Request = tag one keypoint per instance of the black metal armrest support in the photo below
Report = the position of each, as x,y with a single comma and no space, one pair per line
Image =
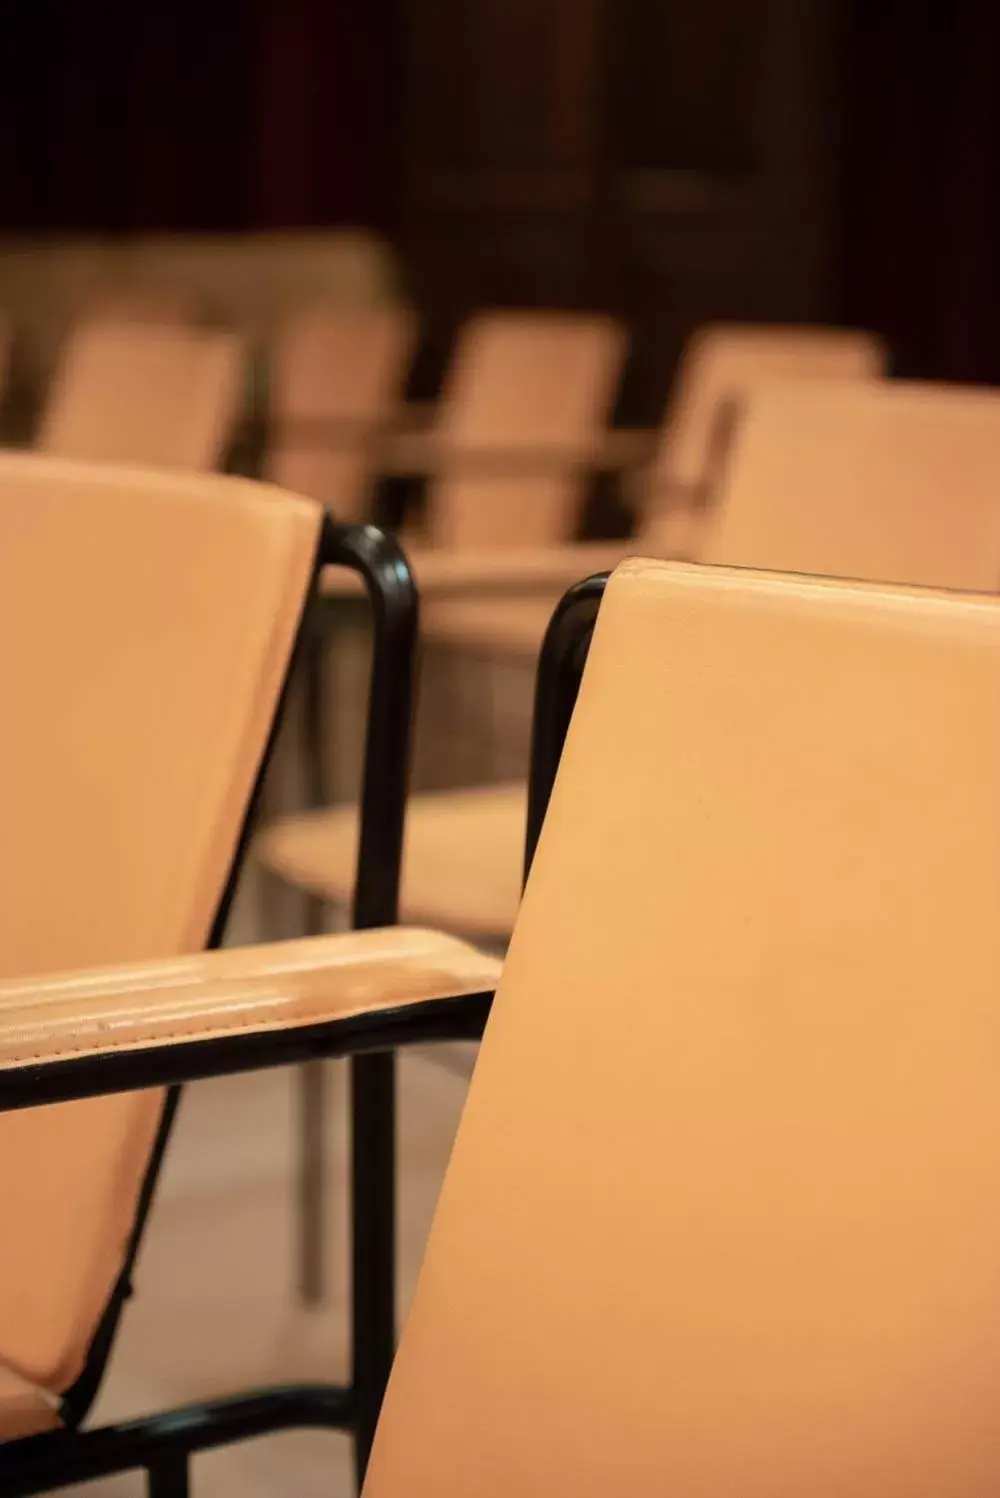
457,1017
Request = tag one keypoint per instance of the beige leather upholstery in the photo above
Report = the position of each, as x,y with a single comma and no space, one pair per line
143,392
25,1410
319,980
147,620
335,379
530,380
721,362
882,480
722,1214
462,860
895,480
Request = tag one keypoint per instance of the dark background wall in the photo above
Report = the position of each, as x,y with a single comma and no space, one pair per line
672,159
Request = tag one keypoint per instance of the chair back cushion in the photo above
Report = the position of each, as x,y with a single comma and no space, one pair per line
147,621
336,377
523,383
144,392
889,481
721,362
722,1216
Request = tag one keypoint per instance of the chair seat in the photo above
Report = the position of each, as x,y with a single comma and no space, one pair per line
461,866
25,1410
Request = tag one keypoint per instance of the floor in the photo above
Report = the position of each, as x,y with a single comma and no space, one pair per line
214,1310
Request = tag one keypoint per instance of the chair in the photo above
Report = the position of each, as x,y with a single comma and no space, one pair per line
721,363
890,480
525,393
150,619
144,392
676,470
336,378
518,434
721,1213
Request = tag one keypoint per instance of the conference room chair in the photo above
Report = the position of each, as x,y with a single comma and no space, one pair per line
335,385
146,392
475,681
152,618
720,1215
880,480
669,476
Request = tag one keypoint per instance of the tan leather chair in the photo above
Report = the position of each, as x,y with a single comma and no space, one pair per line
488,384
677,468
527,389
881,480
722,362
721,1216
336,379
149,620
144,392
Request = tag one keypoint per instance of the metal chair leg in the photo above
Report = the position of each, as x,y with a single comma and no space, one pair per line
373,1241
312,1204
169,1478
376,897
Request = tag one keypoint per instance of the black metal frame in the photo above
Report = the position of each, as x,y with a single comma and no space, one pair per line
161,1445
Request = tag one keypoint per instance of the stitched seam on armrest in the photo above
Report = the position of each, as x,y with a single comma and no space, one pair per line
218,1032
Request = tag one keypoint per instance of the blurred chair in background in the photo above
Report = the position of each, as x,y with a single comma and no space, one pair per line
507,458
671,498
721,363
669,476
880,480
526,396
150,393
336,379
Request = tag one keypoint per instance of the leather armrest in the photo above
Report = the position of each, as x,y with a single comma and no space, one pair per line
261,991
515,570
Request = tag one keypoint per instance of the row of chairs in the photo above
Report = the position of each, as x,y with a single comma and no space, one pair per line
871,479
527,397
720,1217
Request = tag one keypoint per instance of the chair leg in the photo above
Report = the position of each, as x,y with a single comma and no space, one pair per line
312,1078
312,1186
373,1245
170,1478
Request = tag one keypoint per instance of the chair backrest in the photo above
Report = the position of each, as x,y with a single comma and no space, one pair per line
721,362
147,620
889,481
529,382
336,377
722,1215
144,392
